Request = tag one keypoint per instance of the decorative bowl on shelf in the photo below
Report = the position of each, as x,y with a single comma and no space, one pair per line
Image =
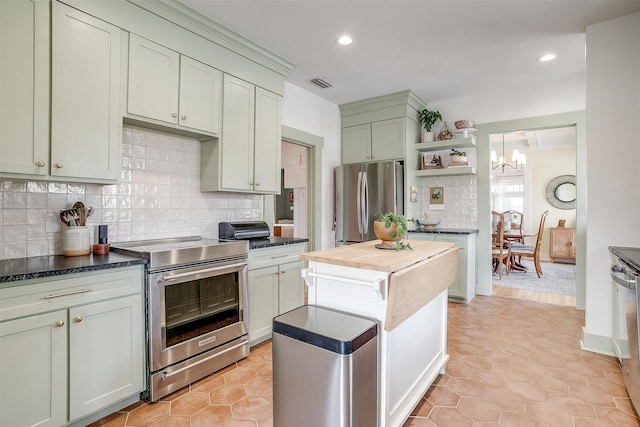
429,224
464,124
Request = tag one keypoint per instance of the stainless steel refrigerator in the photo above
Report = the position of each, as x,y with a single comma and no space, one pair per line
361,190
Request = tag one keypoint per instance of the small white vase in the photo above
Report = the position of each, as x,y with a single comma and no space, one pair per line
459,159
427,136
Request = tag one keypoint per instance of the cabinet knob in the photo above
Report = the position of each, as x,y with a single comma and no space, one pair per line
174,115
40,164
257,184
58,165
77,319
59,323
250,182
184,117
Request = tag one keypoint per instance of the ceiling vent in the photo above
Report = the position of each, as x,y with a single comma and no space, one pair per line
322,84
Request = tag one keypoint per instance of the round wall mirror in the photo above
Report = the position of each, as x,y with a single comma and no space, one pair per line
561,192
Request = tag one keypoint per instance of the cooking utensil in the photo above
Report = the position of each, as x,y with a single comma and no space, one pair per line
70,217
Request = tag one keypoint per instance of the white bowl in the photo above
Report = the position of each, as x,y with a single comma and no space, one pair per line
429,222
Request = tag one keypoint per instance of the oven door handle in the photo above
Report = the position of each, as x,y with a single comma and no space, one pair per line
166,375
631,284
196,273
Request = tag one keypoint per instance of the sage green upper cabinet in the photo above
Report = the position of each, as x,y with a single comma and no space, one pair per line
86,122
268,135
246,158
173,89
374,142
24,87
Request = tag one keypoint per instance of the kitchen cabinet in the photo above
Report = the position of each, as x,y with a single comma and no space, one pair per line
24,87
463,288
70,346
275,287
374,142
562,244
173,89
446,145
86,122
246,158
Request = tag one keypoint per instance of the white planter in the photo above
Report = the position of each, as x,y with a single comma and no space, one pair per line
427,136
459,159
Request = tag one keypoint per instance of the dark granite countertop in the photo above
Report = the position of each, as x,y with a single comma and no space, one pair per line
13,270
629,255
275,241
446,231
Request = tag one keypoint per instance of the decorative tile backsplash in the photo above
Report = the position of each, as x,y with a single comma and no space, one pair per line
158,196
460,200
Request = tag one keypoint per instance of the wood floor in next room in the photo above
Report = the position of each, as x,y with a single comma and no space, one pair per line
512,363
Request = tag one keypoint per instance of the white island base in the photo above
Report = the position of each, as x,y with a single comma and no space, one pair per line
412,335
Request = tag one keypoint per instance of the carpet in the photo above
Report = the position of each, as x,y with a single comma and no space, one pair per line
556,278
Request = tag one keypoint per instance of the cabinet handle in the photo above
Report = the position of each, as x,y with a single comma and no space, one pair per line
257,184
40,164
279,256
77,319
59,323
184,117
81,291
58,165
174,115
250,182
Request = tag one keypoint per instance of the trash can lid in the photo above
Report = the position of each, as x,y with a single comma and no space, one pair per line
331,330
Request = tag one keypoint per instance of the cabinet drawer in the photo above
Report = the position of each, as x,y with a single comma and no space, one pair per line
267,257
42,295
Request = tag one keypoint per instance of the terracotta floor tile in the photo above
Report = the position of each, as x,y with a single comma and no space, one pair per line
227,394
148,414
173,421
494,377
251,407
189,404
212,415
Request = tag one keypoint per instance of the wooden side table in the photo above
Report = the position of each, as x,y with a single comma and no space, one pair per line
562,244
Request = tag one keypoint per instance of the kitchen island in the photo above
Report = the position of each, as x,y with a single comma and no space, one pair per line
406,292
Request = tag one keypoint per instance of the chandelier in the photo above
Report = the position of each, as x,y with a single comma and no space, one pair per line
520,159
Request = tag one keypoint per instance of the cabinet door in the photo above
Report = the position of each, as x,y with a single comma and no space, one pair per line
86,124
237,134
387,139
33,370
291,287
200,96
263,302
24,87
562,243
356,144
267,174
106,356
154,74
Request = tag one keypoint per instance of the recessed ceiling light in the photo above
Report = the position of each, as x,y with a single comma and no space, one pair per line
345,40
548,57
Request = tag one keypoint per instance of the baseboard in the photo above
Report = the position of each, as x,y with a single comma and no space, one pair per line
596,343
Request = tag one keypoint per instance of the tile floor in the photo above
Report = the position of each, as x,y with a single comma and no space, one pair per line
512,363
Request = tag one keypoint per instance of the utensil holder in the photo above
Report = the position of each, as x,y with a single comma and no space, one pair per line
75,241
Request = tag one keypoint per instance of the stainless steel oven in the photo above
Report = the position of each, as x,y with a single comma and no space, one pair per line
197,317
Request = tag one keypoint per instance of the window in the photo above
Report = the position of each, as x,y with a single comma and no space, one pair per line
507,192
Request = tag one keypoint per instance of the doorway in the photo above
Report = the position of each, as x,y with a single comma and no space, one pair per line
534,165
290,204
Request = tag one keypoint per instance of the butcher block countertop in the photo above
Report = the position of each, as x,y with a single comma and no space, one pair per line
367,256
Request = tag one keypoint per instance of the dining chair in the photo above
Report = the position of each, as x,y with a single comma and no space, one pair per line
500,248
516,221
518,250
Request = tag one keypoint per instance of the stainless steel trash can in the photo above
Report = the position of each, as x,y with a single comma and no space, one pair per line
325,368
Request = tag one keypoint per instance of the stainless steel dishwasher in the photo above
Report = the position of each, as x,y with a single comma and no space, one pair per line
625,319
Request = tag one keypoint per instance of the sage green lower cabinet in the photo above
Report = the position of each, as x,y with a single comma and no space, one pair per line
464,287
71,346
275,287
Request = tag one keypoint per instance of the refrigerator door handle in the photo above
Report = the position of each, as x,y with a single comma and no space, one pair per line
359,203
365,203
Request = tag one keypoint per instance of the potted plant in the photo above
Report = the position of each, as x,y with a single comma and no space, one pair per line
391,229
458,156
428,119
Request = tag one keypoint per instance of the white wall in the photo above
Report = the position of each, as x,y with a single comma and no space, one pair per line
307,112
613,110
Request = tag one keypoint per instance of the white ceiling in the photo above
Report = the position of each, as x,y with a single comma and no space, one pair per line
439,49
